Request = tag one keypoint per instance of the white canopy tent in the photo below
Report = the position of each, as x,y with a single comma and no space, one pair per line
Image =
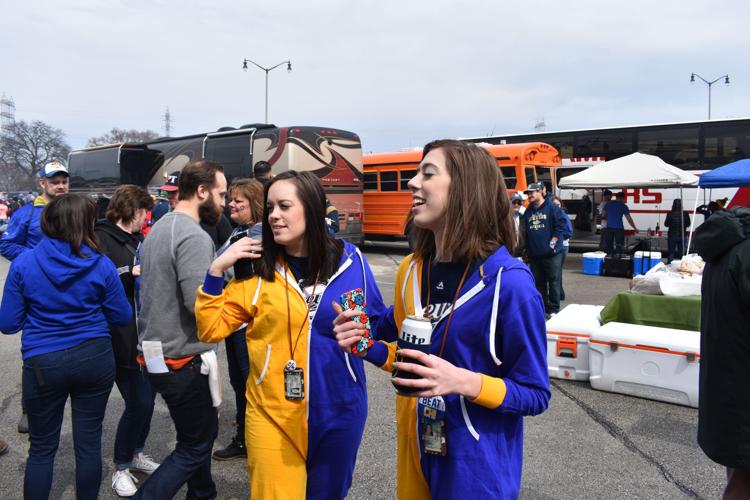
636,170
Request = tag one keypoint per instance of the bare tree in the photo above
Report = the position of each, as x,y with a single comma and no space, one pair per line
25,150
118,135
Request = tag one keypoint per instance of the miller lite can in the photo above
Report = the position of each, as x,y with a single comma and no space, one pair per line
416,333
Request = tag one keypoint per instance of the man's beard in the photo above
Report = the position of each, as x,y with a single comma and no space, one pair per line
209,212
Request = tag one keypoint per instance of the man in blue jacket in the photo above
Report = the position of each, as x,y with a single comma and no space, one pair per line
545,231
23,232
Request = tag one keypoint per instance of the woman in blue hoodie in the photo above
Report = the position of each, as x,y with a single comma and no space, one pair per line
63,294
460,429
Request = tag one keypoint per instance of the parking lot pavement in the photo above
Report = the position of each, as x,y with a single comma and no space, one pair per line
589,444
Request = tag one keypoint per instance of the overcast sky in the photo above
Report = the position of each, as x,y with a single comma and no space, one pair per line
398,73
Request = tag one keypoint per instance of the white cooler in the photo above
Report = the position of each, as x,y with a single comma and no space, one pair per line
568,335
646,361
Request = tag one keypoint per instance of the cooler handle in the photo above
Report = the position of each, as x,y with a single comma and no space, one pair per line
567,347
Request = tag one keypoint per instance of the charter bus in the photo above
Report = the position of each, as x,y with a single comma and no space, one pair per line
334,155
693,146
387,199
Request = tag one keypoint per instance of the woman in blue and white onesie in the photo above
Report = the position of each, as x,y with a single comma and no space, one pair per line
460,435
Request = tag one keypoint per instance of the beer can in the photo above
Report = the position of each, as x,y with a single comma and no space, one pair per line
416,333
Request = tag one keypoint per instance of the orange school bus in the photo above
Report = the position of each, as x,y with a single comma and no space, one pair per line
387,199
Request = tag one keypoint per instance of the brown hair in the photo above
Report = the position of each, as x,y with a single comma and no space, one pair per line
71,218
251,190
126,201
197,173
478,214
323,251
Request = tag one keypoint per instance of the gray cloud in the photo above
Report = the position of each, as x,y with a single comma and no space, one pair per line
397,73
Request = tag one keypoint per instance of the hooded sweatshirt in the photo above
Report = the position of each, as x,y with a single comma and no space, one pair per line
61,300
121,248
542,224
723,241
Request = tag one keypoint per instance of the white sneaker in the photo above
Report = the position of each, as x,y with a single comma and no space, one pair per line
123,482
143,463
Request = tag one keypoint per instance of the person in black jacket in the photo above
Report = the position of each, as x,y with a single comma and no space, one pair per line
120,238
516,203
677,233
723,241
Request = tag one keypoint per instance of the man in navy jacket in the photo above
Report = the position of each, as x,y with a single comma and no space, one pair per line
545,232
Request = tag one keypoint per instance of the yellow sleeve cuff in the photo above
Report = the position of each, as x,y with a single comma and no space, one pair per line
492,393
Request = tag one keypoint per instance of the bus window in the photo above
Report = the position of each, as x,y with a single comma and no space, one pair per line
370,182
406,176
530,175
544,174
389,181
232,152
509,174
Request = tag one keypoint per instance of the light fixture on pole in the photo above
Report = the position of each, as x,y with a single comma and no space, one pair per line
267,70
692,80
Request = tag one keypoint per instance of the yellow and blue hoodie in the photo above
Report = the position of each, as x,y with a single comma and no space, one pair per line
497,330
335,388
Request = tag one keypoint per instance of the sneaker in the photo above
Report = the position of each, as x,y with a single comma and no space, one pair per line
123,482
23,424
236,449
143,463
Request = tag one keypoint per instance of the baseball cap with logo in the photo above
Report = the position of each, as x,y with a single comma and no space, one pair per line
172,183
534,186
53,168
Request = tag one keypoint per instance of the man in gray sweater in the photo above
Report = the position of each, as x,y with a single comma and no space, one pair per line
175,257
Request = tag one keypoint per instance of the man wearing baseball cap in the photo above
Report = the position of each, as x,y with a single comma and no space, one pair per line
167,196
545,232
23,231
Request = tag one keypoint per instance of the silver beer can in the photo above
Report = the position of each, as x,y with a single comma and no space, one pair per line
416,333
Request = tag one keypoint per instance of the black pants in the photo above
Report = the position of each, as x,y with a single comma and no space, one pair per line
189,401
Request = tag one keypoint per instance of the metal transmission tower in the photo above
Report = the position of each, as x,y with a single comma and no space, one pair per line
167,123
7,116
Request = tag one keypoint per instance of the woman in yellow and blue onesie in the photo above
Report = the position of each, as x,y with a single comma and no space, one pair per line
306,399
460,434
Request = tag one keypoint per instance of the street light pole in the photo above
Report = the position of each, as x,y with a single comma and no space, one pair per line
267,70
692,80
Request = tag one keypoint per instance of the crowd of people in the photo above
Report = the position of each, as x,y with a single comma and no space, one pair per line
101,305
145,314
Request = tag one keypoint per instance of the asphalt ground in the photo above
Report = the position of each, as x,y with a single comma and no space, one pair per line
587,445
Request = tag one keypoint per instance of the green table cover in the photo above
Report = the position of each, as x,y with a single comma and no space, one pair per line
682,313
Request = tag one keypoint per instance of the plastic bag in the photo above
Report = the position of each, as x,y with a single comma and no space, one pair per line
647,284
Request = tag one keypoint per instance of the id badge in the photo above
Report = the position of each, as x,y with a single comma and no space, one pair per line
294,381
432,420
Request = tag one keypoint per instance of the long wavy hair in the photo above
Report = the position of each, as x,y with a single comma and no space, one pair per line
478,217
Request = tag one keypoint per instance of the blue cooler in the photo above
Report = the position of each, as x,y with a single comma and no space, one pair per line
643,261
593,262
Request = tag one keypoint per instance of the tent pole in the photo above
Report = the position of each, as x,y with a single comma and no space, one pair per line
692,223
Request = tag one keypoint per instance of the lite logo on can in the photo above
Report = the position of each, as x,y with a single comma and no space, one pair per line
416,333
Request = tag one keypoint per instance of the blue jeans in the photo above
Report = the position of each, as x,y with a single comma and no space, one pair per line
189,401
135,422
238,363
547,273
86,373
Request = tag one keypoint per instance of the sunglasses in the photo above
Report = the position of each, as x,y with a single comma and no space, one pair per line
518,203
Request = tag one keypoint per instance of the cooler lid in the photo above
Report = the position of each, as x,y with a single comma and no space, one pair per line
645,337
578,319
